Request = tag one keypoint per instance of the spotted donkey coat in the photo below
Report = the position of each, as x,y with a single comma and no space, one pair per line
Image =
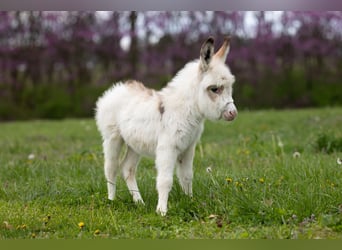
164,124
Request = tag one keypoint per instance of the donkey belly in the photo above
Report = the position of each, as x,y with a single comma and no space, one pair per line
140,142
140,134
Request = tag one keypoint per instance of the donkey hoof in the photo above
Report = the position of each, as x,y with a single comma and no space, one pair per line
139,202
161,212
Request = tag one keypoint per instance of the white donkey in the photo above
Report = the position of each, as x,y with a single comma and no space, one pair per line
164,124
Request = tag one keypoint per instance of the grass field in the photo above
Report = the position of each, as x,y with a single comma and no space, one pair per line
269,174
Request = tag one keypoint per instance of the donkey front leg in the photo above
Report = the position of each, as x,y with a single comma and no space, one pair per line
165,163
184,170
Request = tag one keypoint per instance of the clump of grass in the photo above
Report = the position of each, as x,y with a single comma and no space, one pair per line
328,143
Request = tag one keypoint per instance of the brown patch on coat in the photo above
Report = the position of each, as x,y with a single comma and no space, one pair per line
138,86
161,108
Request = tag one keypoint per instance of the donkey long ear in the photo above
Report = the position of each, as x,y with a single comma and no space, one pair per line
224,50
206,54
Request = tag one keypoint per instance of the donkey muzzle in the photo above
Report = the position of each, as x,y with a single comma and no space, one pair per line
230,113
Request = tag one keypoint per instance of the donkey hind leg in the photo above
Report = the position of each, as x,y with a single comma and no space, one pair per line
111,148
129,167
185,175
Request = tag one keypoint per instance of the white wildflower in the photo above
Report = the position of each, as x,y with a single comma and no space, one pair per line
212,216
339,161
31,156
296,154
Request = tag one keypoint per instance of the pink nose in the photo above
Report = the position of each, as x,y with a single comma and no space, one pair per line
229,115
232,113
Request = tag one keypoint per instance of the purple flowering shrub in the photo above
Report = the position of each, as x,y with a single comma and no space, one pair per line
56,64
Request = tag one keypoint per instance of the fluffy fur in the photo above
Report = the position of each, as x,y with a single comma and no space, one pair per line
166,124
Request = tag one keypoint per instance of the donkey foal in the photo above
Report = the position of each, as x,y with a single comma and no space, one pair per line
164,124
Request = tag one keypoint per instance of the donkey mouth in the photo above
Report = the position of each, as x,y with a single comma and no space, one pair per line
229,115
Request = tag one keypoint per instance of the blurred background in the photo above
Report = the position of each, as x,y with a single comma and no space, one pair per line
56,64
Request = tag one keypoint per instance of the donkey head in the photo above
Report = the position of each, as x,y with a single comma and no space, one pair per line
216,82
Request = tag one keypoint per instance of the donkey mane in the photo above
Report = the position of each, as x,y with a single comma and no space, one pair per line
190,69
181,88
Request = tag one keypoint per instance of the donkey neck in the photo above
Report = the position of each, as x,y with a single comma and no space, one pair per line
181,93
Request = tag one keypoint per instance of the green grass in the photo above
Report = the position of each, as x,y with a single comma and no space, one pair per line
256,188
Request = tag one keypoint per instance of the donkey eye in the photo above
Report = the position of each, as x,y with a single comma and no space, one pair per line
216,89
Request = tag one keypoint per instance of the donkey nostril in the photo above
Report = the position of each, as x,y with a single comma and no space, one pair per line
229,115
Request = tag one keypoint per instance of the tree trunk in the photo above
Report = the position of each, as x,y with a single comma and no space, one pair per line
133,53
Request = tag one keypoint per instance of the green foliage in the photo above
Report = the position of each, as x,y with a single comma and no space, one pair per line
287,90
54,101
258,177
329,143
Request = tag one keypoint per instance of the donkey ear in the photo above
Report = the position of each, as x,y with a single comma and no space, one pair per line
224,50
206,54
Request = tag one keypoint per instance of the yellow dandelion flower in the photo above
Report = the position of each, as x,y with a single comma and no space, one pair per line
81,225
33,235
261,180
47,219
238,184
97,232
229,180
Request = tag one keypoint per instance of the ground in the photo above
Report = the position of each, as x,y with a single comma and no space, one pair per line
268,174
